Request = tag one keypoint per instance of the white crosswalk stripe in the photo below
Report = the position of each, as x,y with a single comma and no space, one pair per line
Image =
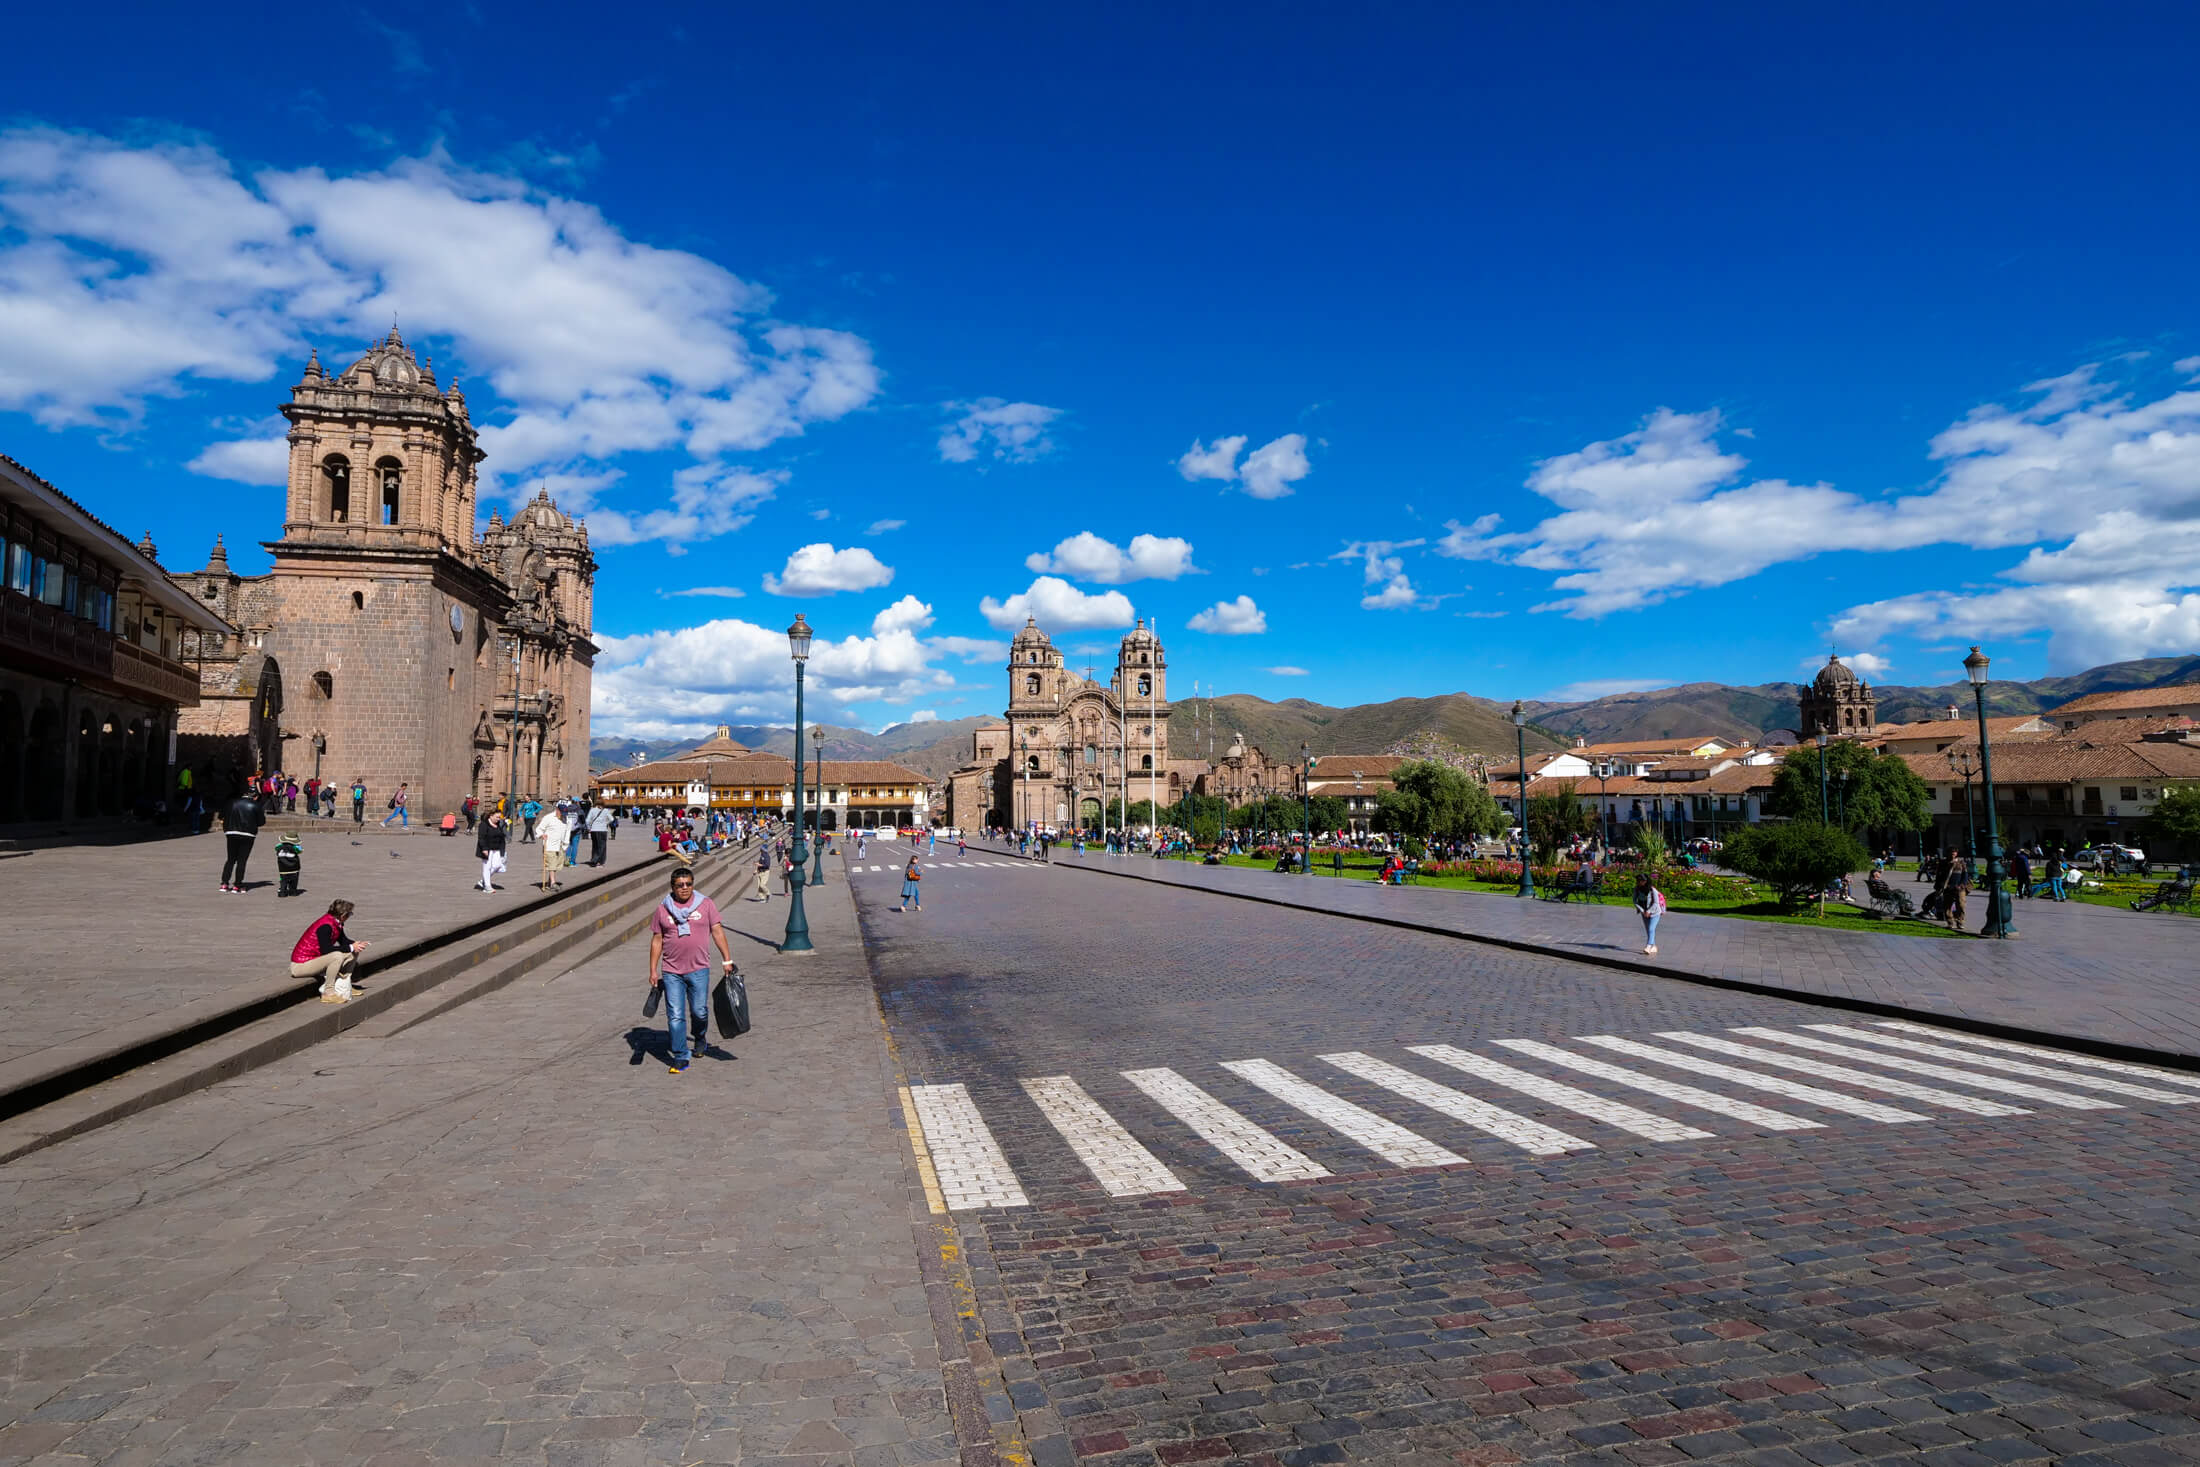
2007,1066
1870,1110
1969,1104
2060,1057
968,1161
1116,1161
1530,1136
1993,1083
1740,1110
1387,1139
1263,1157
1566,1097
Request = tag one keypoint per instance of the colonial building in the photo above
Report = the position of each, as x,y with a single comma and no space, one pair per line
392,643
94,669
1838,703
2091,785
1070,746
2181,701
721,775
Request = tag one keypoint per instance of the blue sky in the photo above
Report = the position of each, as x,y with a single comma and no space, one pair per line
1395,352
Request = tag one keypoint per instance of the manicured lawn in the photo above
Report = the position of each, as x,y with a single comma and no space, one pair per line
1758,906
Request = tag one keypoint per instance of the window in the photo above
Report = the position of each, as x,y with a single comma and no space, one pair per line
1092,753
1031,762
1145,761
2128,793
1031,657
69,586
49,581
336,471
392,477
324,684
1031,685
19,568
358,601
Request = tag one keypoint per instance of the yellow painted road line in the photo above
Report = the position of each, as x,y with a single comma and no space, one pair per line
925,1174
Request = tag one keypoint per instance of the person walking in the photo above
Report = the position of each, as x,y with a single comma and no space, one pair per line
680,932
912,899
2057,873
575,816
763,874
530,810
290,795
551,832
400,809
1650,906
1958,886
325,951
489,840
599,834
469,807
788,875
241,821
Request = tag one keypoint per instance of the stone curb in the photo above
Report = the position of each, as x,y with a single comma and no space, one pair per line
2077,1043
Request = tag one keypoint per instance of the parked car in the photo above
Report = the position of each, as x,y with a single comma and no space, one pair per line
2111,860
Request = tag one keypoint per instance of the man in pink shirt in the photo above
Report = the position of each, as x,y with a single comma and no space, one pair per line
680,933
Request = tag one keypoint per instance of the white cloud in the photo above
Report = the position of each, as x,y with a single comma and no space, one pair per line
1014,432
245,460
708,500
907,614
1219,462
1269,471
923,715
2103,486
1870,664
820,570
1090,558
132,272
821,514
1383,571
1239,618
1285,671
1059,606
970,649
738,672
883,527
731,593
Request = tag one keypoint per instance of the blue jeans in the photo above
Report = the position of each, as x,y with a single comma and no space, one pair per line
573,849
687,1000
1650,928
2055,889
402,814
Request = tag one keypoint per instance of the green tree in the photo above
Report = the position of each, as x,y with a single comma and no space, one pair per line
1796,858
1556,821
2178,818
1882,793
1329,813
1434,801
1650,845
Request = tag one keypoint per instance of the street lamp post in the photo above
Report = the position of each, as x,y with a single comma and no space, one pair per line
1604,806
1306,808
1841,802
1520,745
1962,763
1997,901
817,817
1023,803
511,783
797,939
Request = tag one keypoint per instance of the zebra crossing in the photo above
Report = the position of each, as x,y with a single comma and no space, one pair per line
936,864
966,1165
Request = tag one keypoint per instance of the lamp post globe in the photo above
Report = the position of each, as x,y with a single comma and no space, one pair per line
797,938
1997,901
1520,747
817,815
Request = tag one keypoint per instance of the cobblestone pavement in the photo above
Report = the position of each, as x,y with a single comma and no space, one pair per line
165,951
1251,1184
504,1235
2122,977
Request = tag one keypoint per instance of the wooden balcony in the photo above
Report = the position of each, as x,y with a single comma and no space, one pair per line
56,643
155,676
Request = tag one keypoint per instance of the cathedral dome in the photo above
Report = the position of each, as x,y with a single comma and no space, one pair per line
1140,637
1835,676
1030,636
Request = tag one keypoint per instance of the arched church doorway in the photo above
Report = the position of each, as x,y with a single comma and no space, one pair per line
1088,812
265,730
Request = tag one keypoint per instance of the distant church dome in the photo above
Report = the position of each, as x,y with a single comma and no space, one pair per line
1834,675
1838,703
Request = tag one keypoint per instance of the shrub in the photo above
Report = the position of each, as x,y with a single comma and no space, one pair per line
1796,858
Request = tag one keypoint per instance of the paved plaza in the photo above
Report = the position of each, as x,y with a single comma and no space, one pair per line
182,940
1071,1168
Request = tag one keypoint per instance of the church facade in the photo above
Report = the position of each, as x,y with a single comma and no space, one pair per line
1838,703
392,642
1070,747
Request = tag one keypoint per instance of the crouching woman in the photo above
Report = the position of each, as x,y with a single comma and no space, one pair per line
325,951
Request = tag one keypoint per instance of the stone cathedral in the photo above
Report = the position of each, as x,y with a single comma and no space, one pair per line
392,642
1070,743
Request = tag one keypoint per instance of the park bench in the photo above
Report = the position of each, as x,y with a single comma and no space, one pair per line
1410,871
1576,884
2173,893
